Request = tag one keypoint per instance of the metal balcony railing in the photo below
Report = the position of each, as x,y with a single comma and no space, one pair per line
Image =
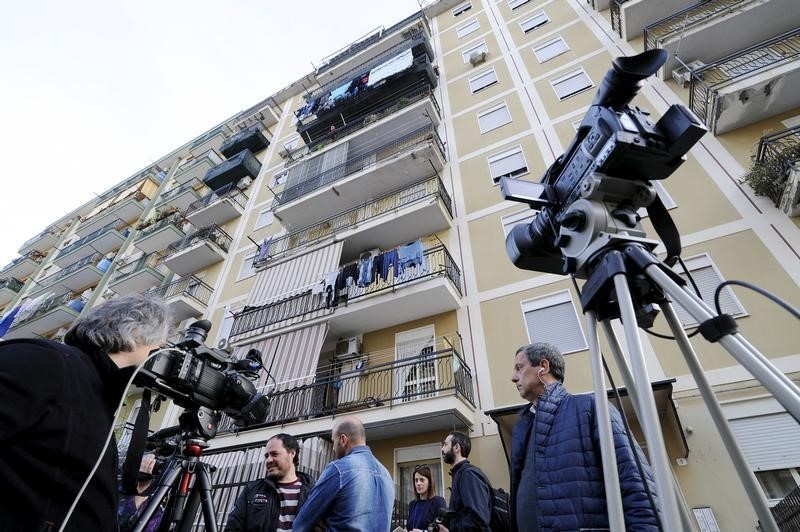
35,256
437,262
210,154
706,80
70,299
187,286
439,373
425,134
116,225
352,49
419,192
686,19
212,233
172,219
388,105
12,283
776,154
151,260
233,193
40,235
616,15
787,512
138,195
72,268
194,184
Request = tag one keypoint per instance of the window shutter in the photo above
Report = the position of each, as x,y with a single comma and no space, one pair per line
707,280
768,442
510,164
556,324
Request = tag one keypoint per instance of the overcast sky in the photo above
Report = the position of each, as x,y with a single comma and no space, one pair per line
92,91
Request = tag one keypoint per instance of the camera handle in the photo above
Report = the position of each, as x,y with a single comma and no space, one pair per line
615,271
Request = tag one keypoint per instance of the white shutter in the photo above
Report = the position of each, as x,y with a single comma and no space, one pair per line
478,47
553,319
467,28
572,83
707,278
494,118
482,80
550,49
768,442
531,23
509,163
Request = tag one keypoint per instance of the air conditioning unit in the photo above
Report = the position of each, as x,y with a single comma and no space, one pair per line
347,348
683,75
477,58
225,345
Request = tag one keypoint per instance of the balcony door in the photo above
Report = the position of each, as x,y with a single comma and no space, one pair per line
415,380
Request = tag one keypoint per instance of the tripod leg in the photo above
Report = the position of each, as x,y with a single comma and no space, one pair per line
746,475
616,516
670,516
168,481
780,386
204,488
627,378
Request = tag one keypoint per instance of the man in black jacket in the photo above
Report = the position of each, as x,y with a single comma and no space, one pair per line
271,503
470,495
57,411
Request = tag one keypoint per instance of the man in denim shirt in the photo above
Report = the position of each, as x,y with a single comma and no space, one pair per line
355,492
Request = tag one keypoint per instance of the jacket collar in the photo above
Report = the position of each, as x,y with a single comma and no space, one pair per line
553,394
457,467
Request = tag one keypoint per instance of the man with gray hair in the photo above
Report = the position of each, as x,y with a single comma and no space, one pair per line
556,469
355,491
57,411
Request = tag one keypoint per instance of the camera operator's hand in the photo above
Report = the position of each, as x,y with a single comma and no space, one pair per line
148,463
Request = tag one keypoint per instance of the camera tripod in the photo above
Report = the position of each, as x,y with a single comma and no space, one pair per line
625,280
197,427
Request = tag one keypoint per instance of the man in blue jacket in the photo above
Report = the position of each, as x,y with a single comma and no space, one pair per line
556,467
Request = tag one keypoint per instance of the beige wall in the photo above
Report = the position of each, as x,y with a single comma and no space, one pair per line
595,66
449,37
383,339
446,19
479,189
560,14
522,11
454,64
468,135
742,143
460,95
580,40
232,287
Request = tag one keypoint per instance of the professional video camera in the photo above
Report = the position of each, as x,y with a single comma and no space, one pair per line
196,377
443,517
592,192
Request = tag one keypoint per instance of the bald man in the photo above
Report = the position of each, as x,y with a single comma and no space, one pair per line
355,492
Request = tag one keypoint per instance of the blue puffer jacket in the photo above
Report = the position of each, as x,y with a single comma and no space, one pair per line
569,470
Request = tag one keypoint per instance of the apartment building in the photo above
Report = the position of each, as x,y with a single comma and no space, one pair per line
351,227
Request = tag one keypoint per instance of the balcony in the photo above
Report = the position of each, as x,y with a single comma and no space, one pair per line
51,314
370,171
127,209
209,142
630,17
749,85
438,383
9,288
187,297
422,208
432,288
242,165
103,240
84,273
139,274
197,167
776,156
161,233
217,207
42,242
197,251
716,28
181,196
248,139
23,266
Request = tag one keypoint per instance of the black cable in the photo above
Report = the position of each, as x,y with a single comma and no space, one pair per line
696,290
775,299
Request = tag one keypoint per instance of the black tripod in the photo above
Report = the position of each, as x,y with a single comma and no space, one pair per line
197,427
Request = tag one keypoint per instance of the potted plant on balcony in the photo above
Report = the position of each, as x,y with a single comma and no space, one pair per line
768,176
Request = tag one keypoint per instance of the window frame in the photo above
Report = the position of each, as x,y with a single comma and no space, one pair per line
472,78
696,262
461,8
541,12
557,38
470,49
490,110
519,3
465,25
551,300
267,208
564,77
502,155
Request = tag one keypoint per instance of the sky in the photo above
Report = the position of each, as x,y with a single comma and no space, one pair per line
93,91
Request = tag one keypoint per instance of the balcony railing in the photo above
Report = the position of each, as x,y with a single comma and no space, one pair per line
211,233
437,262
71,300
138,195
95,259
388,150
439,373
151,260
686,19
367,115
174,192
706,80
172,219
616,16
419,192
116,225
189,286
33,239
776,154
787,512
233,193
35,256
12,283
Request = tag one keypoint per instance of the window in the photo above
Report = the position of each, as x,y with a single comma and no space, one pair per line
476,48
707,277
279,179
494,118
228,315
418,380
510,163
539,18
571,84
550,49
482,80
553,319
291,144
524,216
247,269
462,8
470,27
514,4
265,217
666,199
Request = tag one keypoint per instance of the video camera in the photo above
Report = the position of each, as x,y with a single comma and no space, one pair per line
443,517
196,377
593,190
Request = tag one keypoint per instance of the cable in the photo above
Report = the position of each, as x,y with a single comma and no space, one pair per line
696,290
775,299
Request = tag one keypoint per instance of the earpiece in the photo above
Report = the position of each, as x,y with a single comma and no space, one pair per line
541,370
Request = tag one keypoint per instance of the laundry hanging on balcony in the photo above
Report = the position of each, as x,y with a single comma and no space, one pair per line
396,64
